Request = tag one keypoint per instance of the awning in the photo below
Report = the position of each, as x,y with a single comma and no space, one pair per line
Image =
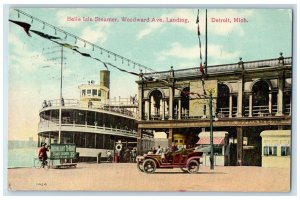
206,140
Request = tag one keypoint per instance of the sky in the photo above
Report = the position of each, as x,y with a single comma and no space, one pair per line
157,45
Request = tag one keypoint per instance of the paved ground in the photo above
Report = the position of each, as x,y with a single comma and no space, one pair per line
126,177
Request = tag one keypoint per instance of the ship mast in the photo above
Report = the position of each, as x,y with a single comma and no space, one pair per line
60,96
206,42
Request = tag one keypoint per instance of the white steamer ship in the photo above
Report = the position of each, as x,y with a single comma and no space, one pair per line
94,123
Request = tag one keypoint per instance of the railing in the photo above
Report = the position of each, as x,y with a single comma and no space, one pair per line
257,111
287,109
274,109
223,112
76,103
54,124
156,117
121,101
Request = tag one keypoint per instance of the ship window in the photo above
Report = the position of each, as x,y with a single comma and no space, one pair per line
99,93
79,140
94,92
99,141
88,92
83,93
90,140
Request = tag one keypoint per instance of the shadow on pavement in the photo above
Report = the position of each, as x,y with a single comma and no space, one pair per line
188,173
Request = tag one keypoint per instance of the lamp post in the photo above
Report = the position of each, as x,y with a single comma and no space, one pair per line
211,158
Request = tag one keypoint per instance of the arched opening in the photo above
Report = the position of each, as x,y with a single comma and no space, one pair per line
260,95
223,100
155,104
185,102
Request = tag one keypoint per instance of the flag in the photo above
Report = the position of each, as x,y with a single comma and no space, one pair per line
197,21
198,30
24,25
83,54
49,37
69,46
201,69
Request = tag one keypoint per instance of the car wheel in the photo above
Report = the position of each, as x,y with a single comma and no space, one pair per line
193,167
184,170
140,166
149,166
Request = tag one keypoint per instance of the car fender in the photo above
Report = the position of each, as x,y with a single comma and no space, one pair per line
193,158
155,160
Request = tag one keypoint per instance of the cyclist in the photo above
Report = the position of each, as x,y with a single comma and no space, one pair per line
43,154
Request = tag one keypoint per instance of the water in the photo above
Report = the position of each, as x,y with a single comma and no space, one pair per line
22,157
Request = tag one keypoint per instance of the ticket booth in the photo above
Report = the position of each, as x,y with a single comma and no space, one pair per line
276,151
220,141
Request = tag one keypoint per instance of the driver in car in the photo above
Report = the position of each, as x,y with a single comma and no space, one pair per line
170,151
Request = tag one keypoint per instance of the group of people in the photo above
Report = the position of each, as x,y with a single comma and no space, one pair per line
164,152
130,155
45,104
126,155
159,150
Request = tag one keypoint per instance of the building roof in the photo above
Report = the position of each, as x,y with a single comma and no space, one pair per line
215,134
276,133
206,140
223,68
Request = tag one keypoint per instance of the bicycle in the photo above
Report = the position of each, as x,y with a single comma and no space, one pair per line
38,163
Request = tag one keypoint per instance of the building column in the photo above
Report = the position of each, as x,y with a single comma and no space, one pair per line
139,142
147,109
280,98
179,108
170,137
240,99
141,103
239,146
160,107
152,106
290,105
270,103
171,100
250,104
163,109
39,141
230,106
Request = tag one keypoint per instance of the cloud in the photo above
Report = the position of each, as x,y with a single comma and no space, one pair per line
21,56
97,33
190,54
25,102
191,14
149,29
178,51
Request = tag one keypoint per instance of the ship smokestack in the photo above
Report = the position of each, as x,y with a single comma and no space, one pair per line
105,79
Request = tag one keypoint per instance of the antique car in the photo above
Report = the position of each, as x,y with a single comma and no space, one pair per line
188,160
